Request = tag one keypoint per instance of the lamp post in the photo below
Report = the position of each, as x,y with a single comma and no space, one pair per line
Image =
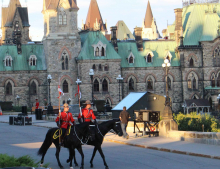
119,78
91,74
166,65
49,78
18,98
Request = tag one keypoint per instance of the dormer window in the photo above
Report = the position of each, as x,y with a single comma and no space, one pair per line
149,57
99,49
33,60
8,61
168,56
131,58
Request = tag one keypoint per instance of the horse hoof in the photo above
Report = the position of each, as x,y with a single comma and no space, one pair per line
71,168
91,166
41,165
106,168
68,160
76,165
81,167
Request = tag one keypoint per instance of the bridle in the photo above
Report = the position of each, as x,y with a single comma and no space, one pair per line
109,131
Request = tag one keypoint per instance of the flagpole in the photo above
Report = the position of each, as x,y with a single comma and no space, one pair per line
80,111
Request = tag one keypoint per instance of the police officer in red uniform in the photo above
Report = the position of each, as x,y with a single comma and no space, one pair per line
87,113
63,121
37,104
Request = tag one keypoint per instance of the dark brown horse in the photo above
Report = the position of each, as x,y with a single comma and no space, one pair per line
72,141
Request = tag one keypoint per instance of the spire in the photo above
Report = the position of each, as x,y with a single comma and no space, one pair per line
148,17
73,4
11,10
53,4
94,14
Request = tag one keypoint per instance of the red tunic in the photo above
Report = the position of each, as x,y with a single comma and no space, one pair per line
66,118
37,105
87,115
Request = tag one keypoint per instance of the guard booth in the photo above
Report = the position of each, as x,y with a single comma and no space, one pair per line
139,101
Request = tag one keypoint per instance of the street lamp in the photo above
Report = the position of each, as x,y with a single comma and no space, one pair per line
166,65
18,98
49,78
119,78
91,74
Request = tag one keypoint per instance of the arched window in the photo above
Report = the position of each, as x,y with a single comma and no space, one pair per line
189,84
33,88
100,67
131,59
194,97
65,87
33,60
194,83
213,81
96,86
60,19
217,52
103,52
191,62
218,81
7,64
169,83
149,58
105,85
149,84
65,60
8,89
97,52
106,67
8,61
131,85
64,19
94,67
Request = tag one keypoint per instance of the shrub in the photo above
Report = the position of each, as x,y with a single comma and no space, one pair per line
194,122
17,108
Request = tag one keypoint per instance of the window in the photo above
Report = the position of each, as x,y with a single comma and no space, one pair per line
8,89
169,83
131,85
100,67
8,61
149,58
33,60
65,87
191,62
149,84
94,67
218,81
104,85
106,67
131,59
96,85
189,84
103,52
64,19
194,83
217,52
213,81
97,52
60,19
65,61
33,88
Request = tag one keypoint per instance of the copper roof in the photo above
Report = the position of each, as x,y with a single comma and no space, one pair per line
93,14
148,17
53,4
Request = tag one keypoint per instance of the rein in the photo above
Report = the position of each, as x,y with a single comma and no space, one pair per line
109,130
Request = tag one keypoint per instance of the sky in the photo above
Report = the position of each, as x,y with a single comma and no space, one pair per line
132,12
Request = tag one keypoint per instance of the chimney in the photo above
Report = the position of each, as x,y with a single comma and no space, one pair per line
114,37
178,26
138,38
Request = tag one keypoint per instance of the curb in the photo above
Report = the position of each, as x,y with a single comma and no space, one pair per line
165,150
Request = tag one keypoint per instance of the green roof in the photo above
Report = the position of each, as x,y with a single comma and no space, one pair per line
200,23
92,38
123,32
158,48
20,60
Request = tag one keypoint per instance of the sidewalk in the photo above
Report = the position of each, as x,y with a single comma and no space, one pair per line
155,143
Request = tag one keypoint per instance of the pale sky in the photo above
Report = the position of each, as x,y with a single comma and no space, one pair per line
132,12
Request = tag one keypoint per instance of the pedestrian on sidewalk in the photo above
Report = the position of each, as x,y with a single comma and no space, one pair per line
124,117
37,104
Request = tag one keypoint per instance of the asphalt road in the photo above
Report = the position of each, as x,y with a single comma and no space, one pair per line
26,140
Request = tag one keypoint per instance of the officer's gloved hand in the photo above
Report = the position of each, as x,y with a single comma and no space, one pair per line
80,120
58,124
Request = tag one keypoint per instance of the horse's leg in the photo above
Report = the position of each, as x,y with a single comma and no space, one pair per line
79,148
71,157
93,155
74,156
57,155
103,157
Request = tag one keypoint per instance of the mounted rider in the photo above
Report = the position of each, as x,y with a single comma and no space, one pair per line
63,121
87,115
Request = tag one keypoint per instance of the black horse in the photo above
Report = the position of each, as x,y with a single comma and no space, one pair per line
72,141
100,131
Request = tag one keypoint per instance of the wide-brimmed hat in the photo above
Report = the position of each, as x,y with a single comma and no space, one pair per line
87,102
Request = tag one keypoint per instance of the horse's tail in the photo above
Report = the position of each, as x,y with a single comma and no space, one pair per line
46,144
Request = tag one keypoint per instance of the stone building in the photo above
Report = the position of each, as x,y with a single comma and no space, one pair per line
193,49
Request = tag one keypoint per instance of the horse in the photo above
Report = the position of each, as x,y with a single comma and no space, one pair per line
100,131
72,141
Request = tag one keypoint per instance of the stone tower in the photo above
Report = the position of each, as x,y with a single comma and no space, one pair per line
62,45
14,20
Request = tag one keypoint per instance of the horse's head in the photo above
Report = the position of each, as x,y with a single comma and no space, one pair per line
117,127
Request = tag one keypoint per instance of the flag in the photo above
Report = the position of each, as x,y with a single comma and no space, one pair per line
79,93
60,92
